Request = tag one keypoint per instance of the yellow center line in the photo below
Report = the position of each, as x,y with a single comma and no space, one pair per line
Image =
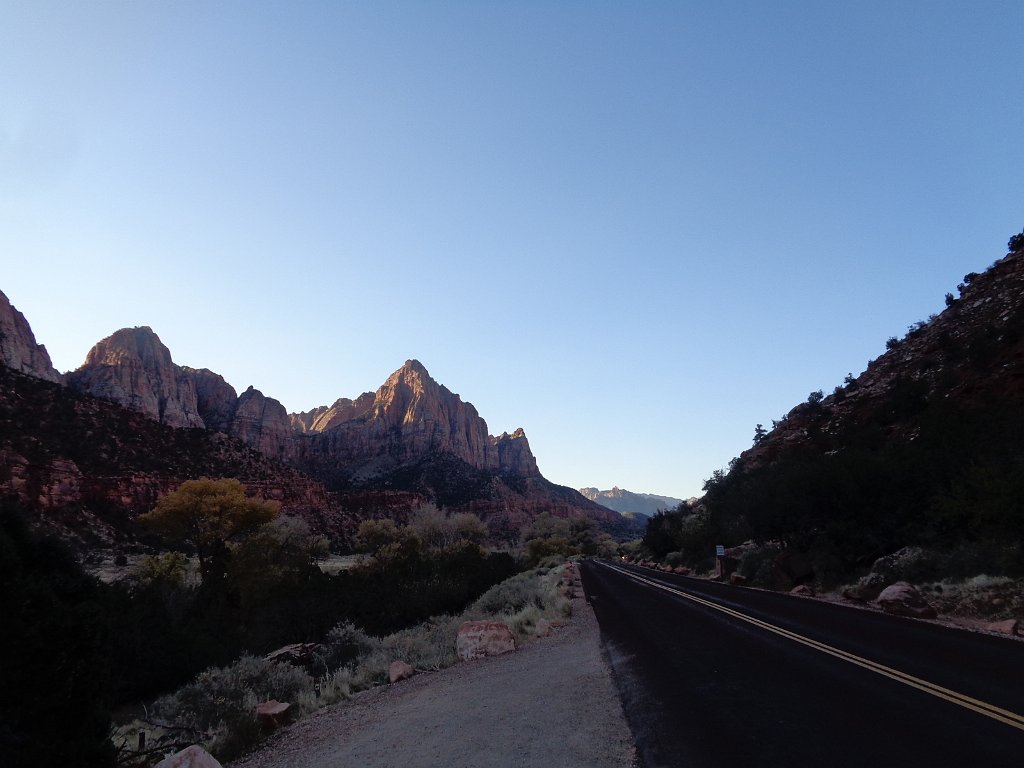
981,707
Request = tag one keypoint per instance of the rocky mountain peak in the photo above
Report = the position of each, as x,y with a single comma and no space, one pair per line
410,394
621,500
138,344
409,418
325,417
514,454
263,423
18,348
134,368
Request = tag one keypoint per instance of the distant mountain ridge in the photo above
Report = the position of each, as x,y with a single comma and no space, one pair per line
410,416
411,442
621,500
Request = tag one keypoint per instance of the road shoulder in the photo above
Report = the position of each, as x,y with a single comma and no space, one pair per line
550,703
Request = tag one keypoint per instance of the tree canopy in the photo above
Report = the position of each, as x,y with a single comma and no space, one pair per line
208,514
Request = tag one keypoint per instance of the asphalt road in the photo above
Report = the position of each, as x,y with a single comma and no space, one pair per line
726,676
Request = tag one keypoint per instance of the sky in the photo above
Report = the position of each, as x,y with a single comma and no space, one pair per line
635,230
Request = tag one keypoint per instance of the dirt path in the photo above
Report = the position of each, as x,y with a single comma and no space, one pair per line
552,703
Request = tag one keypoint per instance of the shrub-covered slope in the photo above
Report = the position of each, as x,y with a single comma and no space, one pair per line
926,447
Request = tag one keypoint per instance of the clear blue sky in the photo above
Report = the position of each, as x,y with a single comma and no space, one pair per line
634,229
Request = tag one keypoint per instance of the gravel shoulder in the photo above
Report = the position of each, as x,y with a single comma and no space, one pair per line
551,703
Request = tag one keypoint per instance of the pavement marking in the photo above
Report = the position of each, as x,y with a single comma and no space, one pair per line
981,707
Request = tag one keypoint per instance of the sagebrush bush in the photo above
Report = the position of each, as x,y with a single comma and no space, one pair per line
430,645
219,706
509,596
523,600
674,559
344,644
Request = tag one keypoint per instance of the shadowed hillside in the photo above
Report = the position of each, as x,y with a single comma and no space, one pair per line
925,448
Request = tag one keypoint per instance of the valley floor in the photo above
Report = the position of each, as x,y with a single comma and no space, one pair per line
551,703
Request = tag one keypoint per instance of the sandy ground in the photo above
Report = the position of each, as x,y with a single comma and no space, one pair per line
552,703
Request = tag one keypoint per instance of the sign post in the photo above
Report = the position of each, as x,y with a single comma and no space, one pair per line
719,565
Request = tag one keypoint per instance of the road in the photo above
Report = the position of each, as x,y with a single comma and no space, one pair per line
716,675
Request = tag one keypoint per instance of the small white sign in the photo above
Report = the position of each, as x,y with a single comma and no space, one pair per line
719,550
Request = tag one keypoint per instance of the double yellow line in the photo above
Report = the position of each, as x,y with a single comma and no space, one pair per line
989,710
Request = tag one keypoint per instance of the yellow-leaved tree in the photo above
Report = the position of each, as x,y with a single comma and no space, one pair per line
209,514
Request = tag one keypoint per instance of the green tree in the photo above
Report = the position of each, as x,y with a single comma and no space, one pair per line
209,515
374,535
281,552
469,528
55,674
760,433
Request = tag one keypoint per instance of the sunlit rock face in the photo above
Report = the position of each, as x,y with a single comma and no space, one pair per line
409,417
18,348
514,454
132,367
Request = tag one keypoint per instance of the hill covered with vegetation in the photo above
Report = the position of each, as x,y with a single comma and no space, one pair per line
924,449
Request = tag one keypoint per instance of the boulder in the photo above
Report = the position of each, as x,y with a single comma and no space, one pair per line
906,563
190,757
803,590
273,714
400,670
791,567
901,599
543,628
735,578
682,570
867,588
477,639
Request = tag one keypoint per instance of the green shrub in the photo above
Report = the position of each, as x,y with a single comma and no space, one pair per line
430,645
344,644
219,706
523,600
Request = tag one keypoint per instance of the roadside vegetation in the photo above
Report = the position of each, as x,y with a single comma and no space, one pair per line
180,642
844,500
